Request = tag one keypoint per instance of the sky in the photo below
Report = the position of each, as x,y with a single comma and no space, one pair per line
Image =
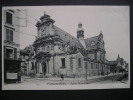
113,21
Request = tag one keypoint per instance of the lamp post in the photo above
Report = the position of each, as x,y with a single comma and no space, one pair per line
86,66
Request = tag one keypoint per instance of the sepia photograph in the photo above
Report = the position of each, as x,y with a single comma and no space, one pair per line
65,47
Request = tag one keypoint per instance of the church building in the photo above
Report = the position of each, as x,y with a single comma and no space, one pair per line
58,52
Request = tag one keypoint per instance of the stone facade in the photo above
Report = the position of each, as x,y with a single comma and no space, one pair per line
57,52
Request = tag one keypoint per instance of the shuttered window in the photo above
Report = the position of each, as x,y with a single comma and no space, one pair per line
7,34
11,35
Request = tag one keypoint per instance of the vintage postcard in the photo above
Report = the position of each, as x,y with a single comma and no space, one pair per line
65,47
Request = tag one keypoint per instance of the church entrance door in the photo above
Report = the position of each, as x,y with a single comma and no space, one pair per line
44,68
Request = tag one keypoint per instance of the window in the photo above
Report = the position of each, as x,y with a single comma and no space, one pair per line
52,47
63,47
92,43
91,65
96,66
23,56
59,46
43,29
9,53
9,34
79,62
71,64
63,62
8,18
47,48
32,67
86,65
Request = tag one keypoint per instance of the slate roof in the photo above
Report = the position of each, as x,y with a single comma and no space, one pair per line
89,40
106,61
113,62
26,51
67,37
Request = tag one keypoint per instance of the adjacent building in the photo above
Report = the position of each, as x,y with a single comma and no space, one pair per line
11,34
27,61
118,65
11,41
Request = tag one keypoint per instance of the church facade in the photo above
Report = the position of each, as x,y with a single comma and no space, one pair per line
57,52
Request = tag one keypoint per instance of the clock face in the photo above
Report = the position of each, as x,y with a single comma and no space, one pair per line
43,29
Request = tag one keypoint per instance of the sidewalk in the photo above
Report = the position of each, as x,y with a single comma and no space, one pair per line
70,79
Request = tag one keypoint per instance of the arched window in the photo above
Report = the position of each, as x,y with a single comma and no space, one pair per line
79,62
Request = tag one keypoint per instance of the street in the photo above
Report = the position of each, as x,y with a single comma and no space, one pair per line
98,82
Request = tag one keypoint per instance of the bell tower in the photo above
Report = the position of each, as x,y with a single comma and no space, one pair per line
80,34
80,31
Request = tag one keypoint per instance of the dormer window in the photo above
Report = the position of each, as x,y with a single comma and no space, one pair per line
92,43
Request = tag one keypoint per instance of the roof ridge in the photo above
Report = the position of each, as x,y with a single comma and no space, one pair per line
92,37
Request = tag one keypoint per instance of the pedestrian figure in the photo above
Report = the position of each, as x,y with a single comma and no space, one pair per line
107,73
19,76
62,76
